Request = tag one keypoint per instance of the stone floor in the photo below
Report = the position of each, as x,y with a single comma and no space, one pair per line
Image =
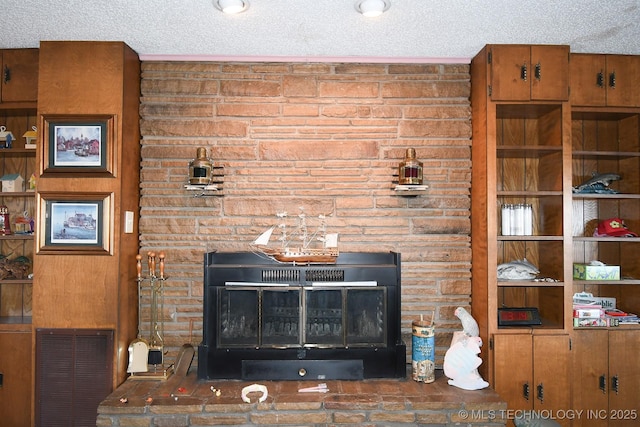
185,401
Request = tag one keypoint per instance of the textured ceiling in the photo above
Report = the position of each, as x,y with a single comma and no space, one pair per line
411,30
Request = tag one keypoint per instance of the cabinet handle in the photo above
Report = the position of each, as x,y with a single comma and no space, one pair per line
525,391
600,79
603,383
6,74
540,392
523,72
615,383
537,71
612,80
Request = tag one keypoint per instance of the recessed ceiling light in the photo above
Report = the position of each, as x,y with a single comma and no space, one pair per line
231,6
372,8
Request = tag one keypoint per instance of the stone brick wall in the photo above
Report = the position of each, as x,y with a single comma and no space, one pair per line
323,136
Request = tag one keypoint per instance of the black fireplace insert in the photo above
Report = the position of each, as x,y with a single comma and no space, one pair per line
265,320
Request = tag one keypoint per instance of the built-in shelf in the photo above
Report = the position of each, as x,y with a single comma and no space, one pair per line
529,238
606,239
528,283
607,282
16,236
15,323
605,196
17,194
15,281
605,154
526,151
528,193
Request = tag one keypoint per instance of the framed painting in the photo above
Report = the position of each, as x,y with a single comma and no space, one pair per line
75,223
78,144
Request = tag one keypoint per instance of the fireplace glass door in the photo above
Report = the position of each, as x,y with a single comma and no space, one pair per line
238,318
281,318
324,318
366,320
271,317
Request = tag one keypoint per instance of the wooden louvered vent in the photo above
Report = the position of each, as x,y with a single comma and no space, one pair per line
73,375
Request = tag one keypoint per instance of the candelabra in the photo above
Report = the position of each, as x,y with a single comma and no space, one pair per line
146,355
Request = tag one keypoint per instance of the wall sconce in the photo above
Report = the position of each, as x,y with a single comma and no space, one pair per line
410,169
231,6
372,8
200,168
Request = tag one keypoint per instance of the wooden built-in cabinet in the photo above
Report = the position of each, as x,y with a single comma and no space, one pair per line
605,80
519,156
18,114
19,76
528,73
533,149
606,378
15,378
536,375
606,139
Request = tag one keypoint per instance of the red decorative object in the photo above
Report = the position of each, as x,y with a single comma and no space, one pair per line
5,223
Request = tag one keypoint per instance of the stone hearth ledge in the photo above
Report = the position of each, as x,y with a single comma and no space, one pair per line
186,401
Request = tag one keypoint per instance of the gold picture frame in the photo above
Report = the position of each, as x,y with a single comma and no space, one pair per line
80,145
75,223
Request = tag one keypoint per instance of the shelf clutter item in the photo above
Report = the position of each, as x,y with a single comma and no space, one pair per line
30,138
5,222
613,227
12,183
590,311
517,219
6,137
596,270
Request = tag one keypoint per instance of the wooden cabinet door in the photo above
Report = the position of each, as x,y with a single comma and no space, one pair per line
590,373
588,80
526,73
15,367
19,75
605,80
551,376
624,378
513,370
549,73
622,79
510,65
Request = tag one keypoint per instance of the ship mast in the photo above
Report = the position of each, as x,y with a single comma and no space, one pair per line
283,228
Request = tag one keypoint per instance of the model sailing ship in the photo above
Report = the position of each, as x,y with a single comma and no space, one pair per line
317,247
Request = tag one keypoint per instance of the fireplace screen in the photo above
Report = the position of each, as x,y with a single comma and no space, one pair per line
268,320
267,317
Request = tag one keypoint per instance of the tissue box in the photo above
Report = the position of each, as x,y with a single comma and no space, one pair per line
596,272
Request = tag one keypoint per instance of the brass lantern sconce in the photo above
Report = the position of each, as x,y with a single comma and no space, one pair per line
410,169
200,168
